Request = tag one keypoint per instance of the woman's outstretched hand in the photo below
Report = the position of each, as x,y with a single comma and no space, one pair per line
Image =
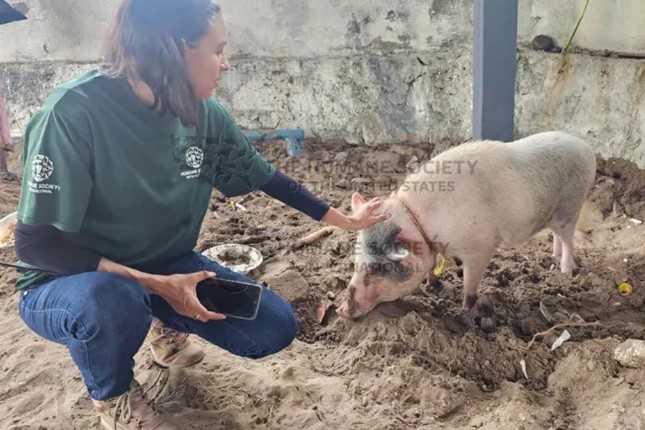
361,217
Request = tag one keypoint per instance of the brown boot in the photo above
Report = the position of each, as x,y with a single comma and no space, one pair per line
170,348
133,411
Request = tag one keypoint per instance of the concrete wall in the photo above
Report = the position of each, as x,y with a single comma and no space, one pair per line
613,25
58,30
72,30
371,72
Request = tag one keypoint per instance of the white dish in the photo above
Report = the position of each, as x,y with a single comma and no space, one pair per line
5,224
252,255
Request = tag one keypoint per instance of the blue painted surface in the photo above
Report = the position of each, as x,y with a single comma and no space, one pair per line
292,136
494,68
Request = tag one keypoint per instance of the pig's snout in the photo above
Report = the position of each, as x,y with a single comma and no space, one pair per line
346,308
343,311
355,303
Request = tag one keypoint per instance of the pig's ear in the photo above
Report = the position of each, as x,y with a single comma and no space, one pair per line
357,202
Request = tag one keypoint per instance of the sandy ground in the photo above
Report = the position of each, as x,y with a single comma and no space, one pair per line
412,364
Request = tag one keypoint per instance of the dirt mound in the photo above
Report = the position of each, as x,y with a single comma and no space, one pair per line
414,363
620,188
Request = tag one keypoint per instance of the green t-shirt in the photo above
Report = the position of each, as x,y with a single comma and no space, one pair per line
136,184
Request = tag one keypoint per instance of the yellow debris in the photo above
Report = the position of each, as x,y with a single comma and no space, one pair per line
625,289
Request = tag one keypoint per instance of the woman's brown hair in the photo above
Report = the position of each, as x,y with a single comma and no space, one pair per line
147,41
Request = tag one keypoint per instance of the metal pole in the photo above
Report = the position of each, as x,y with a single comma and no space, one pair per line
494,69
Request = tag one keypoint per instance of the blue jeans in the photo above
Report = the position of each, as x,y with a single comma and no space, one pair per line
103,320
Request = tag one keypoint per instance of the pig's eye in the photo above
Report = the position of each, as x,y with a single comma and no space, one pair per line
398,253
401,248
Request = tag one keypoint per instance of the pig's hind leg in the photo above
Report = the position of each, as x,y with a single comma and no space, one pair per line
563,227
565,235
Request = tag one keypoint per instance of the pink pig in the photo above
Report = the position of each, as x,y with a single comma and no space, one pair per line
465,203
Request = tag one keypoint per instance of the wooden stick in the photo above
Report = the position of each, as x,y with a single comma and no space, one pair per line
557,326
313,237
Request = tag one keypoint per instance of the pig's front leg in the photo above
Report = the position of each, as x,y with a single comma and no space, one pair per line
557,246
474,268
566,263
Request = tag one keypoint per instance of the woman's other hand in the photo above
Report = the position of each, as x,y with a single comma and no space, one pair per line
180,291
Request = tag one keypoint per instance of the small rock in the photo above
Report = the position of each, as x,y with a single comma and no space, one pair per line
619,381
590,280
631,353
559,423
488,325
477,423
341,157
542,43
288,372
559,317
333,282
361,181
529,326
342,184
290,284
591,365
632,377
23,9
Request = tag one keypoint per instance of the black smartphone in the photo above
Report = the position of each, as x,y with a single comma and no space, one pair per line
231,298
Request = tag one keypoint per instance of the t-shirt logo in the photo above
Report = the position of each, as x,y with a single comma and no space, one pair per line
194,157
41,168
